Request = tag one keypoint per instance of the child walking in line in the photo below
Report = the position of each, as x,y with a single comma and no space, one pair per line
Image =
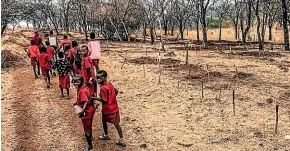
63,67
45,65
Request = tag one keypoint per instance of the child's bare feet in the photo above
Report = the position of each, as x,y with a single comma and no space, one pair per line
62,96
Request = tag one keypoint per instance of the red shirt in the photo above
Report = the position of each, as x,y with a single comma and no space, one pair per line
43,61
73,53
108,93
65,41
83,96
50,52
33,51
37,40
86,65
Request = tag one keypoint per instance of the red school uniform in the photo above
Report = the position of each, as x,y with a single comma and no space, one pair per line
50,52
37,40
44,63
33,52
108,93
87,64
65,41
83,96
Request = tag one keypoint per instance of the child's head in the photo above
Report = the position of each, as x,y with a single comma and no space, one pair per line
66,47
42,49
32,42
51,32
64,36
78,81
74,43
47,43
102,76
60,54
85,49
92,36
36,33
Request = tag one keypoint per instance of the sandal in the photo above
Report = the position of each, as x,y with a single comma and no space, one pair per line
104,137
119,143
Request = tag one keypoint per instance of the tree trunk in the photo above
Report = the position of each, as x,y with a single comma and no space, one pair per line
285,25
204,29
258,26
3,28
172,30
144,32
181,29
249,19
197,30
152,34
270,32
220,28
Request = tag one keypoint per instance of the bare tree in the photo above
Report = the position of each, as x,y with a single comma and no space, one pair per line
285,24
222,9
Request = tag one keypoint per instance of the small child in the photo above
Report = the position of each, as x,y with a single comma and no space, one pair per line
62,66
50,52
33,53
45,65
110,109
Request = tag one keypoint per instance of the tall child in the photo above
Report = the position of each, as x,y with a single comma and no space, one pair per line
88,109
45,65
62,66
110,109
51,53
33,53
88,70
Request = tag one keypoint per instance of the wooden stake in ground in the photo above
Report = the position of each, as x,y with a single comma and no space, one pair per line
234,103
144,70
276,119
202,96
178,85
159,79
186,57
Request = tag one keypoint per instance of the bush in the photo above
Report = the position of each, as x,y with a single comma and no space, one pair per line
8,59
212,23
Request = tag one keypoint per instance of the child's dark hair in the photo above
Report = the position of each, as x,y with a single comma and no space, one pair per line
74,43
78,77
66,47
32,42
103,73
65,36
47,43
60,54
92,35
85,46
51,32
42,49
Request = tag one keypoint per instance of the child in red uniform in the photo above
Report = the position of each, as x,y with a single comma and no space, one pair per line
88,70
45,65
33,53
110,109
75,58
62,66
64,42
51,53
88,109
37,39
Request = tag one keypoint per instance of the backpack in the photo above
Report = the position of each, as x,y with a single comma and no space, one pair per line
78,59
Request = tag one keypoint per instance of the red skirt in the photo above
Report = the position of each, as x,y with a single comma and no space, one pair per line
113,118
64,81
44,71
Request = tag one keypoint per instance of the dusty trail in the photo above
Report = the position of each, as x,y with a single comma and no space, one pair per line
35,118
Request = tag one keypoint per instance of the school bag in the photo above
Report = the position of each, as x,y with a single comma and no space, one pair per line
78,59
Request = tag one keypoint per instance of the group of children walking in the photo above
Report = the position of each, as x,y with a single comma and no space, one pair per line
82,65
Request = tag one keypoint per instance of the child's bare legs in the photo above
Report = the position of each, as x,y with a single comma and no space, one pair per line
38,67
34,70
67,92
61,90
48,77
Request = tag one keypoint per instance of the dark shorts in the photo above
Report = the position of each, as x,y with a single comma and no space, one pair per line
44,72
113,118
64,81
33,61
95,62
87,124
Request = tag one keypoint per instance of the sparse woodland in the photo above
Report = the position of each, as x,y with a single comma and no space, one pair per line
120,19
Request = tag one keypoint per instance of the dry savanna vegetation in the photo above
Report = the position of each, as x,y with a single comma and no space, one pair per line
192,75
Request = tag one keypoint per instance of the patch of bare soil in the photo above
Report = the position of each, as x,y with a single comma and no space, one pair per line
150,60
258,54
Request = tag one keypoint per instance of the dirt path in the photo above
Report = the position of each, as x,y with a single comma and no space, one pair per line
35,118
